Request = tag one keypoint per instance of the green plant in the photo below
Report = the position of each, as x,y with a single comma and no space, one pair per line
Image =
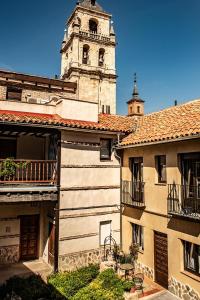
127,285
107,286
31,288
134,249
8,167
69,283
116,252
126,259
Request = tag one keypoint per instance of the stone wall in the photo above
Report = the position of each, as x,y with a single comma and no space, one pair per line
182,291
3,91
145,269
9,254
77,260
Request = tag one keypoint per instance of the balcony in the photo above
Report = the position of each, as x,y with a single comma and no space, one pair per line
184,201
94,36
42,172
133,193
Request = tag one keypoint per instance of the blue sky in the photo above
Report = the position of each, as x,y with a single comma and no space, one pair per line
158,39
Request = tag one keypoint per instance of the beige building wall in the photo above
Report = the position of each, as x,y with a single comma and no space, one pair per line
65,107
90,194
155,217
10,229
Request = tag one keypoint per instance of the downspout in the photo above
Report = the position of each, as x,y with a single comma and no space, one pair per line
57,209
120,162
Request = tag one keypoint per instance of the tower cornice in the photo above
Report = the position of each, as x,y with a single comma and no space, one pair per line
98,73
95,12
87,36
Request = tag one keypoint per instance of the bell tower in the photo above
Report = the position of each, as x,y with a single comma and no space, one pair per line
136,104
88,55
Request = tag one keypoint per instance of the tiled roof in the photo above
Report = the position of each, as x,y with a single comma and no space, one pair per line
88,4
169,124
104,123
122,123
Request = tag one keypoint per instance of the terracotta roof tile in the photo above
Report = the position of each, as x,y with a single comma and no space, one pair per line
121,123
106,122
169,124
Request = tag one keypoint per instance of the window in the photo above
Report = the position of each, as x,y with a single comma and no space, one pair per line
85,54
93,26
108,109
103,109
138,235
93,2
192,257
138,109
105,149
14,93
105,231
101,57
161,168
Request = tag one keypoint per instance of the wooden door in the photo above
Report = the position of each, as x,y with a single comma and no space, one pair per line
161,259
51,244
29,236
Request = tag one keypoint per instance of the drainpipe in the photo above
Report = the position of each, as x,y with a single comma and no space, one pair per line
57,209
119,157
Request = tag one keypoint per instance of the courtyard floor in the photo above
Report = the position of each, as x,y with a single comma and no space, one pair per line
151,289
163,296
25,269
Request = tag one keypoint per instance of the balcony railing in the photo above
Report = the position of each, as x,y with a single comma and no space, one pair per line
34,171
133,193
94,36
184,200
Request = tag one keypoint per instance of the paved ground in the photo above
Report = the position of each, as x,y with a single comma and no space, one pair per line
165,296
25,269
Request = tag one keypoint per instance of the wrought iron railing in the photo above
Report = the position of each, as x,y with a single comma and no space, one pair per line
133,193
184,200
29,171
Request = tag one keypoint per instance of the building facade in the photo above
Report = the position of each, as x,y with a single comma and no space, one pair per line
59,175
160,197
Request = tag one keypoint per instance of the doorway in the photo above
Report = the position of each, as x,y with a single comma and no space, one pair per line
161,258
29,232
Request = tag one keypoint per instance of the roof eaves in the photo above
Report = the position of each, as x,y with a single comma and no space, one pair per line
160,141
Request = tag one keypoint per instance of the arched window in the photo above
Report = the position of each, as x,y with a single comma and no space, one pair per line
79,21
93,2
85,54
101,57
93,26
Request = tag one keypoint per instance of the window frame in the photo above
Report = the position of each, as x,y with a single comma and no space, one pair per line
109,222
86,49
13,90
160,167
194,270
103,157
138,235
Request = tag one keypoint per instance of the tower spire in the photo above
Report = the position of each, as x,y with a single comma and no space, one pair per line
135,89
135,104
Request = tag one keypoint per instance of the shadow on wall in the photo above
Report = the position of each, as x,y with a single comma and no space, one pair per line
190,228
133,213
